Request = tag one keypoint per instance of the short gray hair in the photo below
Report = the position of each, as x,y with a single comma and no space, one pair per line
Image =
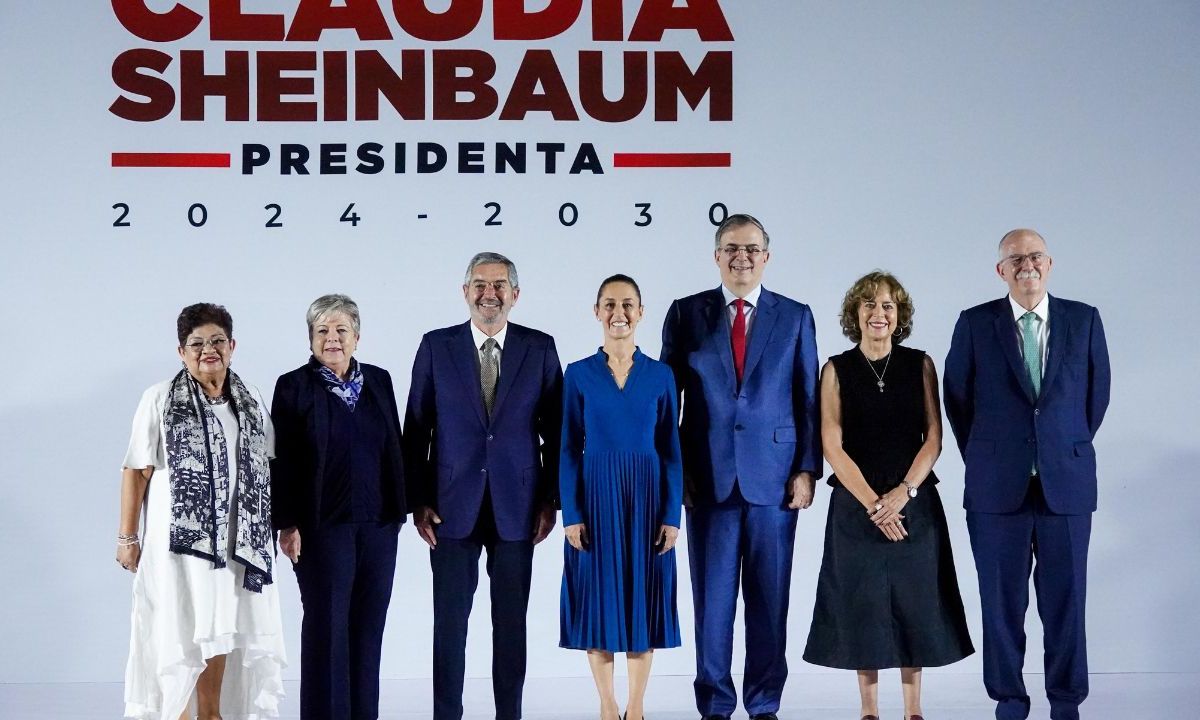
327,304
492,258
737,220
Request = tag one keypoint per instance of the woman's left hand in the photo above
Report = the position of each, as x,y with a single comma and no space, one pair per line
892,502
667,535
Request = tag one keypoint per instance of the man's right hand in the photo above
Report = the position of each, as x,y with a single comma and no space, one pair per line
425,519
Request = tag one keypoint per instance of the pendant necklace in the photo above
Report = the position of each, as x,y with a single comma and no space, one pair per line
619,378
878,375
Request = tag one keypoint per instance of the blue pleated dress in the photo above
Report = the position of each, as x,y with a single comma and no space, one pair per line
620,475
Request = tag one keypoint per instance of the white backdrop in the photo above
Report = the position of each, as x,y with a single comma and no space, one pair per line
906,136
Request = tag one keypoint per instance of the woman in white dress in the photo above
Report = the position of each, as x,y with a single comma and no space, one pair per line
196,479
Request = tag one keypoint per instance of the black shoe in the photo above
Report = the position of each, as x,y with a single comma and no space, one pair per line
764,716
715,717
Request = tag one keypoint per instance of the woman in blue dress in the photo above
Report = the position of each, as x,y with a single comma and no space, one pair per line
621,483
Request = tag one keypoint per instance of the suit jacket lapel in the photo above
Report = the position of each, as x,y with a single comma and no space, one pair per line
1006,335
760,330
1057,341
465,354
511,358
719,334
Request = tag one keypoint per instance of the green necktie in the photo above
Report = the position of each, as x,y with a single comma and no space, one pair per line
1033,353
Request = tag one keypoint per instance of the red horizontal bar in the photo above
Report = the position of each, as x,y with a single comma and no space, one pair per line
170,159
671,160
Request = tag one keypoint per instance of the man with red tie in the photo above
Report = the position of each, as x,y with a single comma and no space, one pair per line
745,363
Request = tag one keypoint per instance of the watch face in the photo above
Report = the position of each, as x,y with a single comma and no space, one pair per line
912,492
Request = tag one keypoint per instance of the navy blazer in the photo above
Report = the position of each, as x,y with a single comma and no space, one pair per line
1001,427
453,450
301,418
763,432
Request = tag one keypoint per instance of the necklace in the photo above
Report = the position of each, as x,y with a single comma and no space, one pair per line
619,379
219,400
878,375
624,373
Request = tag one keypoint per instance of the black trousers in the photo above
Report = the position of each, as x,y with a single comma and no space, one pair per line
345,576
455,564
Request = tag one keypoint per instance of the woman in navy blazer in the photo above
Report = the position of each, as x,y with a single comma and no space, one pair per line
337,482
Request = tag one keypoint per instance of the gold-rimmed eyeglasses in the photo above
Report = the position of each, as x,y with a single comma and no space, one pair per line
198,346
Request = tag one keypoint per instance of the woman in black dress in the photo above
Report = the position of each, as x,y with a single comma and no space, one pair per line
887,595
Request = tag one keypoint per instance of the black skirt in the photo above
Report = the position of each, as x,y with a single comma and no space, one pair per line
883,604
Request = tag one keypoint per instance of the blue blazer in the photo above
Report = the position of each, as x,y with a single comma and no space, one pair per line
302,434
758,434
1001,427
453,451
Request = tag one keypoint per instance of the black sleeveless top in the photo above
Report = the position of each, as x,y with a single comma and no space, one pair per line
882,431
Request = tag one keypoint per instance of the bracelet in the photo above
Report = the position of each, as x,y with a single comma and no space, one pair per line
126,540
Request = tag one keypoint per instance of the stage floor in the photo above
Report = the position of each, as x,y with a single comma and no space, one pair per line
825,696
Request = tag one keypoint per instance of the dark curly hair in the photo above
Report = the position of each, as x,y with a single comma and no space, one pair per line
193,316
866,288
618,278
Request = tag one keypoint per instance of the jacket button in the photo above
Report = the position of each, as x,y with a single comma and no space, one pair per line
490,437
1037,411
739,426
482,470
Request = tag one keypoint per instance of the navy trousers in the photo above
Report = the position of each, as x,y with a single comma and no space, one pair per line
345,577
455,564
728,543
1007,547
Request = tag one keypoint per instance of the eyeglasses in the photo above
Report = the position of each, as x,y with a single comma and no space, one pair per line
197,346
1037,258
751,251
498,286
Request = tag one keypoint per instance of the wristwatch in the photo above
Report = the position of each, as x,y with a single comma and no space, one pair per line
912,489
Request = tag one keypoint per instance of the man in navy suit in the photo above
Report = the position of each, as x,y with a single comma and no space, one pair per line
745,362
481,447
1026,386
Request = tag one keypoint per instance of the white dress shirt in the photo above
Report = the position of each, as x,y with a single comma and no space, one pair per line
747,309
481,337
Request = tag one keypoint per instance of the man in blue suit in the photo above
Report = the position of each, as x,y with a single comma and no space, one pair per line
1026,386
745,362
481,439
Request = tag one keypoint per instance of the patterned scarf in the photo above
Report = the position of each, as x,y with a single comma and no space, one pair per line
201,478
349,390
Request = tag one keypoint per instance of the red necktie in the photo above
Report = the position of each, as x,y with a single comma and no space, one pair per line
739,338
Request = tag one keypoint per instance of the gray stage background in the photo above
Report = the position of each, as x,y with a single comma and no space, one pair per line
905,136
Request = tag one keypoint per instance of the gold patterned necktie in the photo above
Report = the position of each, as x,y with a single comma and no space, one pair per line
489,370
